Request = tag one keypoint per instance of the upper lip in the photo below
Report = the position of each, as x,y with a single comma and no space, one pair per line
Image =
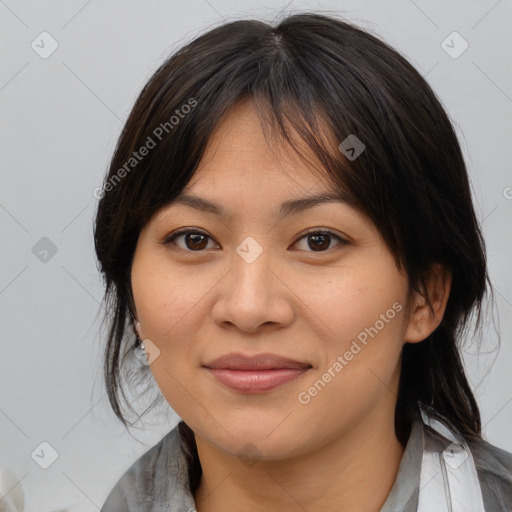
237,361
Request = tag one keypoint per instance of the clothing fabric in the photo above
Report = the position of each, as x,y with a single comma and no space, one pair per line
438,472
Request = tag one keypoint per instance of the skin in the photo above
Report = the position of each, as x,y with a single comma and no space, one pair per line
338,452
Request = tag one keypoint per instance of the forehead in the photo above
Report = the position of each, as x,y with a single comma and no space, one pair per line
244,149
244,167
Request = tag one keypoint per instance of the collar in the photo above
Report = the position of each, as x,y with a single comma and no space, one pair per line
403,496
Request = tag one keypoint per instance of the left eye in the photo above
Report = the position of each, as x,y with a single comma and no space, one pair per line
196,241
321,239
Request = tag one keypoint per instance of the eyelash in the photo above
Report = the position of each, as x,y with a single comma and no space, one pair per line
172,237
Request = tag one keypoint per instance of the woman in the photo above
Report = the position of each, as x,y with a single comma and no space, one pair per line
287,226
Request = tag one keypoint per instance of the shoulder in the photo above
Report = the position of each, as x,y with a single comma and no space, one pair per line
494,468
151,475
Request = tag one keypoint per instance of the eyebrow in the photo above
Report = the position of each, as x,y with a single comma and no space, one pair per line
290,207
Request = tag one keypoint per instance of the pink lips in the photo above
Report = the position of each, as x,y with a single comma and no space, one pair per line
255,374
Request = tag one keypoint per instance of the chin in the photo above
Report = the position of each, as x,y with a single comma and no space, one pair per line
251,442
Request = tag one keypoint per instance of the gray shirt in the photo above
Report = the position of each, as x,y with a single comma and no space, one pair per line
158,480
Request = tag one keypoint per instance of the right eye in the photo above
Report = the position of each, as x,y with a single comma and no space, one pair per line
193,240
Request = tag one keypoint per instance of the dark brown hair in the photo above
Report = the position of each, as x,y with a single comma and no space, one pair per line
310,70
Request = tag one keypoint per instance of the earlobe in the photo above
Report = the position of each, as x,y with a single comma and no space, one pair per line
424,319
138,329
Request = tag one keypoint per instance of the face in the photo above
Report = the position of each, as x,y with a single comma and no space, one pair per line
316,285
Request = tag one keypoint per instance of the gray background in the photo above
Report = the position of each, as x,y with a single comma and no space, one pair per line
60,119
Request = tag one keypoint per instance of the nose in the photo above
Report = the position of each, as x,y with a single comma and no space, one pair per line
253,295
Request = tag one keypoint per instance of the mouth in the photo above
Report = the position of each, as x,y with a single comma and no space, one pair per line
255,374
238,361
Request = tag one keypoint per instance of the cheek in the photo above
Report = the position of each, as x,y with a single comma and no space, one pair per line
363,312
351,301
165,301
165,298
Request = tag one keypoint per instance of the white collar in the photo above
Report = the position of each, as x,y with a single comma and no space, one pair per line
449,480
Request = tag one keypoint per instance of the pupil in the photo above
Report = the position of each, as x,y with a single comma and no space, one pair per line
315,239
194,238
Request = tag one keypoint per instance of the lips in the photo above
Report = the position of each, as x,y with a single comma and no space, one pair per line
255,374
237,361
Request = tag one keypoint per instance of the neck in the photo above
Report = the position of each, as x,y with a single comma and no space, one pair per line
355,471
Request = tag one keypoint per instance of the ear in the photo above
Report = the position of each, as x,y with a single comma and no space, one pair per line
422,322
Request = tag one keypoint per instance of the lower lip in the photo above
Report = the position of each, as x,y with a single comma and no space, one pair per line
256,381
